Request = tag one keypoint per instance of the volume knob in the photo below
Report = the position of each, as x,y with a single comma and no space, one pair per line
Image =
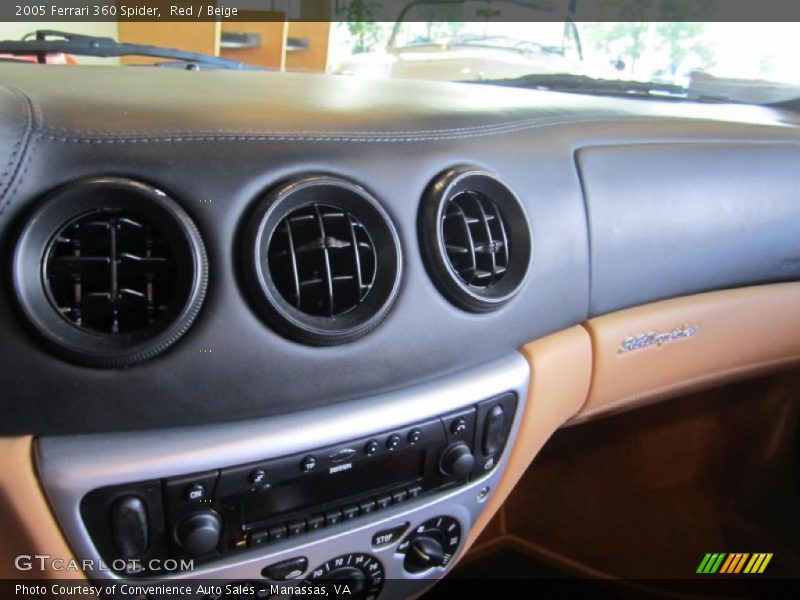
198,533
457,461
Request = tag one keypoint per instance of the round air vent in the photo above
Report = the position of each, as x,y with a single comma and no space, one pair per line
324,260
110,271
475,239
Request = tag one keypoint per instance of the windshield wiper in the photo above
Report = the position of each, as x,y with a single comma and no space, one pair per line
581,84
47,41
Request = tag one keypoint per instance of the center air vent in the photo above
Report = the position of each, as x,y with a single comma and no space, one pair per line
475,238
324,260
110,271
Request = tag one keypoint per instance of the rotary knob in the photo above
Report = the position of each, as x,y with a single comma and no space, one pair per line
361,573
457,461
198,533
431,544
424,552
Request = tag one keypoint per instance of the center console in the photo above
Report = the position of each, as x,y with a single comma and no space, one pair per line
382,492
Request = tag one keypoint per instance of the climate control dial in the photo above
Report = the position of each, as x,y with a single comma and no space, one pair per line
432,544
354,576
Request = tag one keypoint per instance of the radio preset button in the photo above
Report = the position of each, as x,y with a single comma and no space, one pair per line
367,507
296,527
316,522
415,491
385,537
309,463
371,447
414,436
399,496
332,517
349,512
258,537
383,501
278,532
393,442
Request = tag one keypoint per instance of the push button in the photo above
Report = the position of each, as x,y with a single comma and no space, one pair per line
459,426
309,463
257,538
414,436
129,526
349,512
393,442
493,430
257,477
415,491
383,501
399,496
296,527
316,522
286,569
195,492
386,537
372,447
367,507
333,517
277,533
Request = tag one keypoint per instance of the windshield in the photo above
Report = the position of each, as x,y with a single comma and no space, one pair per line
475,41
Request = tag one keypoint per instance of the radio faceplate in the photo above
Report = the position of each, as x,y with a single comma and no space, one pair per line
206,516
71,468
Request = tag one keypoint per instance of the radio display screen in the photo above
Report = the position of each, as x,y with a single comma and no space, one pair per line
322,488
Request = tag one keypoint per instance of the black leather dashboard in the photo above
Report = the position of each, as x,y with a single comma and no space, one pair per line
680,198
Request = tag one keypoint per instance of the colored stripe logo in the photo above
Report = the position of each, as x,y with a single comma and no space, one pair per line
734,563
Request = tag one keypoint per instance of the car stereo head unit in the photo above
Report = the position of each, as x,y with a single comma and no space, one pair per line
206,516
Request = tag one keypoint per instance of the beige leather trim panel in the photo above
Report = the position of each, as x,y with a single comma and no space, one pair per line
27,525
741,332
561,366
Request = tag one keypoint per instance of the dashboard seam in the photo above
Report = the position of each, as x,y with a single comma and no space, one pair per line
20,148
380,137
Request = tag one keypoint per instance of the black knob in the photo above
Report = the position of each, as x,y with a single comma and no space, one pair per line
356,580
198,533
424,552
457,461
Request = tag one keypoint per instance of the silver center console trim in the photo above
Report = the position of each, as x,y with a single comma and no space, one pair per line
72,466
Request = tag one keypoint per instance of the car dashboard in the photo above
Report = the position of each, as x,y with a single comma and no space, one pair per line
219,285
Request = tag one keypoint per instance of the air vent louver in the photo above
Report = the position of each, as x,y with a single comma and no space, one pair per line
475,238
325,260
110,271
322,260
